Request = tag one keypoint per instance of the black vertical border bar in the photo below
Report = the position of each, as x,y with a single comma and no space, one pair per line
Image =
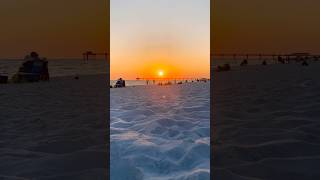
107,120
211,93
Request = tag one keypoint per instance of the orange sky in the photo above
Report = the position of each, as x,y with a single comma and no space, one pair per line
55,28
168,35
273,26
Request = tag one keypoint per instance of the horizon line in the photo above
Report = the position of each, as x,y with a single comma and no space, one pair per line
53,58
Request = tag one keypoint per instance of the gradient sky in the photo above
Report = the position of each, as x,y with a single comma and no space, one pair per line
54,28
149,35
279,26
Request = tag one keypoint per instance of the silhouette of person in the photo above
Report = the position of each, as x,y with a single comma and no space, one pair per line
264,63
305,63
280,59
244,62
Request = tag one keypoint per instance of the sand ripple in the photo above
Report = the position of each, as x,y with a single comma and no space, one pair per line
160,132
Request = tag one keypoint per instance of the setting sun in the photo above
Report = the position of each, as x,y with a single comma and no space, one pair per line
160,45
161,73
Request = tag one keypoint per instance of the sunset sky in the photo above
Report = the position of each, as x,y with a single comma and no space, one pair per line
158,28
149,36
279,26
54,28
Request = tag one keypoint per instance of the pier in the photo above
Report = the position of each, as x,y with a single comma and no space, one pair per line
87,55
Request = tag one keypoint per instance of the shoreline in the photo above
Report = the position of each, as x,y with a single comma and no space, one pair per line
259,67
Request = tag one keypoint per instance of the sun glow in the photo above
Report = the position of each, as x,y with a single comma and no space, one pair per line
161,73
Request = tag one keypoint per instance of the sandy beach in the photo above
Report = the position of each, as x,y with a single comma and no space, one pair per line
54,130
266,123
160,132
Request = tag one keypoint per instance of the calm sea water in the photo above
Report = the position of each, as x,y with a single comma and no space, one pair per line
59,67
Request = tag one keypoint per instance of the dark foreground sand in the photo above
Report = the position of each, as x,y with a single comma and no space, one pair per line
267,123
54,130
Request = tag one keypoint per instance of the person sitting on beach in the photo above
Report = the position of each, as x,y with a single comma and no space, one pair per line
287,60
120,83
281,60
244,62
264,63
32,69
31,63
27,65
305,63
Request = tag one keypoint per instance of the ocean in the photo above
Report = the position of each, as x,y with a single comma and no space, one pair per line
59,67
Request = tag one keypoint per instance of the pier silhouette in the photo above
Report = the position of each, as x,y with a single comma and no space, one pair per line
88,54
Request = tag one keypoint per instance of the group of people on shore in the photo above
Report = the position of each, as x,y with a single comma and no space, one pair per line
182,82
281,60
121,83
32,69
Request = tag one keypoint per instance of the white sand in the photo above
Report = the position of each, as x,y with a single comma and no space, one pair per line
267,123
54,130
160,132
